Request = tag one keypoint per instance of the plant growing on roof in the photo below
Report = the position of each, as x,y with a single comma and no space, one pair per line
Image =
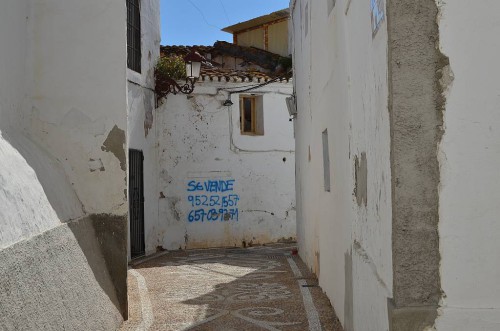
170,67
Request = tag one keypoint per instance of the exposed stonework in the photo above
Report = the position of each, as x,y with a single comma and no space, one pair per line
416,107
115,143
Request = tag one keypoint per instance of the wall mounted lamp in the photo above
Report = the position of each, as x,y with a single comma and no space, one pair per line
193,67
228,103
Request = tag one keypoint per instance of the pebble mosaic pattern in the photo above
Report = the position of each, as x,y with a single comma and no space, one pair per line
258,288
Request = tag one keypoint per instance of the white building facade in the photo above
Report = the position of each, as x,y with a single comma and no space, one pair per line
63,176
220,186
395,155
142,129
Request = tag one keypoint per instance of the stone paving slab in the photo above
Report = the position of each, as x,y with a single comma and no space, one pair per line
256,288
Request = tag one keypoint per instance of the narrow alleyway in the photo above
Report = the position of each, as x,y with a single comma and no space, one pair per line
257,288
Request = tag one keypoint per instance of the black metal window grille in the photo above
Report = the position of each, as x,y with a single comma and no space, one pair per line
133,35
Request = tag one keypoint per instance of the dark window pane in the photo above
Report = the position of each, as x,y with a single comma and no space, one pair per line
247,115
133,35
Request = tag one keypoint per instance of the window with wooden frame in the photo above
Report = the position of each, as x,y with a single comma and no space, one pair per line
133,35
251,115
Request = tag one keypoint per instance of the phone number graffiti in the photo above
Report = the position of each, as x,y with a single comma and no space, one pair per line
212,215
212,200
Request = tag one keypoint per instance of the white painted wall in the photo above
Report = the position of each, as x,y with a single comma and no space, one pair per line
199,139
142,124
62,91
76,82
31,202
470,161
13,34
58,104
345,91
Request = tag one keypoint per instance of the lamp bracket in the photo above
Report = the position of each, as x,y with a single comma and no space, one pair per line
169,85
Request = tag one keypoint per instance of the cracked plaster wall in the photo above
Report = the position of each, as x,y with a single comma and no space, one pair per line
62,93
200,139
25,206
142,115
78,103
341,82
439,190
469,156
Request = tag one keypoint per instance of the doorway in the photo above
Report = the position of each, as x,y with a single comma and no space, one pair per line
136,203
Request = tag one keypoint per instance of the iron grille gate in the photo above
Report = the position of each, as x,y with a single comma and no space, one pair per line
136,203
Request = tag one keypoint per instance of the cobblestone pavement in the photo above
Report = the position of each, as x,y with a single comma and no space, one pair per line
257,288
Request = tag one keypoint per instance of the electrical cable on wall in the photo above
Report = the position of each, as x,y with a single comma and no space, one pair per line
232,145
256,86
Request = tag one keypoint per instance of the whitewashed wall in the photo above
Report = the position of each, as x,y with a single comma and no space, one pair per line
62,151
470,161
76,77
36,193
200,141
341,85
25,207
142,124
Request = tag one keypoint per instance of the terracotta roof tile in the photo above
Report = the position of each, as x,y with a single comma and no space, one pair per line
255,65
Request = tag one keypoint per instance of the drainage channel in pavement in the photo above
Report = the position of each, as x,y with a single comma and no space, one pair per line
258,288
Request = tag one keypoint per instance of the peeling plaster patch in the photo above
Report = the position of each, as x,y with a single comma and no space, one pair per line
446,80
148,116
172,205
114,143
95,165
361,179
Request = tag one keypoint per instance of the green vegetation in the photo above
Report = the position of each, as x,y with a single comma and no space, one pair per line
171,66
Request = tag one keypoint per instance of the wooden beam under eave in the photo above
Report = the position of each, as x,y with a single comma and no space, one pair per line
266,37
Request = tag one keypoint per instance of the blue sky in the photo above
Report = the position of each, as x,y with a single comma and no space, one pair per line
198,22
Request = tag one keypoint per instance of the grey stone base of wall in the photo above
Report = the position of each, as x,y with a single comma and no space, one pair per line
411,318
72,277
